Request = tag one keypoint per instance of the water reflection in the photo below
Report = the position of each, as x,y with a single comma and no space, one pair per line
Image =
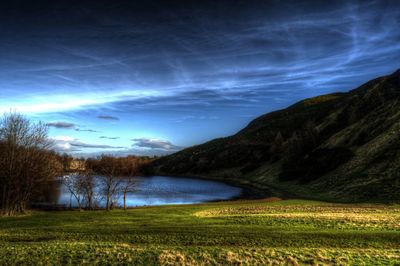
161,190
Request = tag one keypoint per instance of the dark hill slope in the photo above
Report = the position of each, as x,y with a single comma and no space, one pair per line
343,146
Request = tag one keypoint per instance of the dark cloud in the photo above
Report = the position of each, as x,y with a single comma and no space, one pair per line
105,137
87,130
94,146
65,125
155,144
143,152
125,152
107,117
70,144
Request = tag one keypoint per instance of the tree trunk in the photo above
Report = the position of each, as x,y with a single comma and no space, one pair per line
124,200
90,202
108,203
70,201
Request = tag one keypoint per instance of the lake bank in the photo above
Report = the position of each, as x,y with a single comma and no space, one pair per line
159,190
250,190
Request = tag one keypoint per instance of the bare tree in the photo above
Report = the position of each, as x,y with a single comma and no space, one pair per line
130,169
112,173
89,188
111,187
66,162
75,185
108,167
24,161
127,186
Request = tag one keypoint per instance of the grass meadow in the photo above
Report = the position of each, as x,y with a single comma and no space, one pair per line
256,232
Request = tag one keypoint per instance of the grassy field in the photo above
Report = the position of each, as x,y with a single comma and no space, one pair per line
261,232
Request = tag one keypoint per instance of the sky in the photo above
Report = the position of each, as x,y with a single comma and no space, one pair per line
152,77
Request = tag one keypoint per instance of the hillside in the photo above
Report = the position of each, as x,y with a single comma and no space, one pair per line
342,147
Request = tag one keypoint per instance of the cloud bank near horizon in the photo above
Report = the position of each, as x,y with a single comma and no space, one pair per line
140,146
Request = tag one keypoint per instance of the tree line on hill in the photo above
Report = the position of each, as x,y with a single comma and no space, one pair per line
296,149
29,169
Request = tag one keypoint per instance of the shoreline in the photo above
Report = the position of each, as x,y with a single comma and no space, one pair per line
249,191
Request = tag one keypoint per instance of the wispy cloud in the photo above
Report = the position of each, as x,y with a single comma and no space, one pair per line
70,144
87,130
80,144
155,144
105,137
41,102
108,117
192,117
69,125
301,49
124,152
195,76
60,124
63,144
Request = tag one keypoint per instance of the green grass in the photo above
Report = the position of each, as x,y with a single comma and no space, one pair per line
262,232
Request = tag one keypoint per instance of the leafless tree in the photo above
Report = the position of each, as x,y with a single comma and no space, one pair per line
108,167
111,188
89,188
66,162
116,176
24,161
83,188
130,169
127,186
75,185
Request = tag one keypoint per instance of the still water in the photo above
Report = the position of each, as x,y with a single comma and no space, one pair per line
161,190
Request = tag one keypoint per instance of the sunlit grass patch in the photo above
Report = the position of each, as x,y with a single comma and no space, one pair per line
260,232
342,216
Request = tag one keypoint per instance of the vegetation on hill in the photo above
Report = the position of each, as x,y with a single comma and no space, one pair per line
342,146
262,232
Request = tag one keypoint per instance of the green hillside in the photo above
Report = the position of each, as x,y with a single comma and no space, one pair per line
341,147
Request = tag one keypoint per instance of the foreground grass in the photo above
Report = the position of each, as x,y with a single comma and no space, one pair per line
259,232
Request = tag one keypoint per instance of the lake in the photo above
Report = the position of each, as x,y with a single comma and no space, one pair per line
161,190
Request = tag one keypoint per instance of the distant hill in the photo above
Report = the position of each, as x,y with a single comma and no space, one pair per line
341,146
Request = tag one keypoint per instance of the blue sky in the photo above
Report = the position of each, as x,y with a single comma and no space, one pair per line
152,77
